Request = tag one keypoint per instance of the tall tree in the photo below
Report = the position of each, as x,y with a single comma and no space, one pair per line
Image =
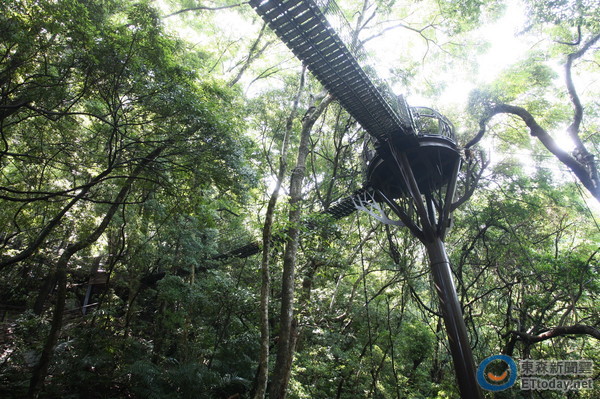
97,117
263,366
287,333
571,34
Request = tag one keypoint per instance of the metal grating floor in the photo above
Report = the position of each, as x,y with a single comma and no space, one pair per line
304,29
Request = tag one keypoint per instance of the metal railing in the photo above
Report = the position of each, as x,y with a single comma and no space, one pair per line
429,122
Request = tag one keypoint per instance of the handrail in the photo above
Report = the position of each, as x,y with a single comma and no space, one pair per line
441,126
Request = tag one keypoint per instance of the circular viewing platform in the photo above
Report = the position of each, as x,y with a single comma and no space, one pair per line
433,162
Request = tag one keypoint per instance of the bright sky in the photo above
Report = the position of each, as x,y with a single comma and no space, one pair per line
506,46
505,49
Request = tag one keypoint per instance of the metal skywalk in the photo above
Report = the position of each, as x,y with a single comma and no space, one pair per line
420,168
303,28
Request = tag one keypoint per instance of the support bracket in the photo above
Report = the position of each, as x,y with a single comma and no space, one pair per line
365,201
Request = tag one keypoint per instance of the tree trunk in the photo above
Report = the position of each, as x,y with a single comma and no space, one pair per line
263,365
41,369
45,290
286,342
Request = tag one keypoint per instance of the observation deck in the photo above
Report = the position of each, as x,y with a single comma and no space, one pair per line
433,162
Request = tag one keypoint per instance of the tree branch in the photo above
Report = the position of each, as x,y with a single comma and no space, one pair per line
586,173
577,329
205,8
41,369
49,227
576,42
581,162
471,179
573,129
253,54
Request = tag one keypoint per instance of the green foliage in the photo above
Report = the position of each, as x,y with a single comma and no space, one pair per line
465,15
524,83
531,77
176,380
90,88
566,12
532,246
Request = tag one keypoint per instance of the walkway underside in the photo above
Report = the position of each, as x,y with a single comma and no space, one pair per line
303,28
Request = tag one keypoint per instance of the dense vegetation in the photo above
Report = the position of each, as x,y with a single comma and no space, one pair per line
141,139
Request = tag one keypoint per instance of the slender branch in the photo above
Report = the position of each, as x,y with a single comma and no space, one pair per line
205,8
253,54
576,42
400,25
35,244
482,129
49,195
471,180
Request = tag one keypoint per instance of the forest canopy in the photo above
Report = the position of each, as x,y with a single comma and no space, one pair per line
166,171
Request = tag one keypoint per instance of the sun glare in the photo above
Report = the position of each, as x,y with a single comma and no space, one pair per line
505,44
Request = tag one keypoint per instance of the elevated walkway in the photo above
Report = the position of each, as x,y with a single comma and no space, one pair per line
302,26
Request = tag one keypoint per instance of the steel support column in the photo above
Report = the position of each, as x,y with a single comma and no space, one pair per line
431,235
456,330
